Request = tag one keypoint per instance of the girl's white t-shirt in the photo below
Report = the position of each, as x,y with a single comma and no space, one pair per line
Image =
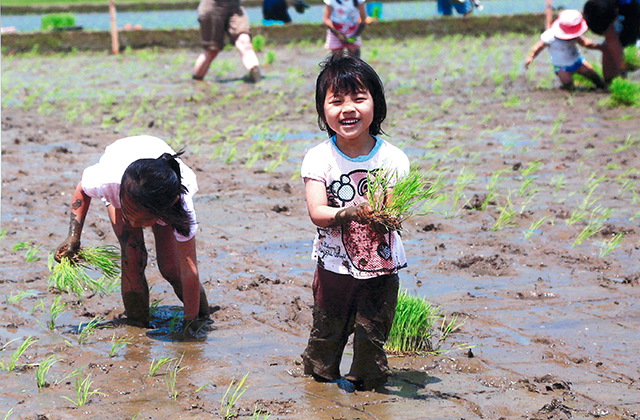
344,15
561,53
102,180
354,248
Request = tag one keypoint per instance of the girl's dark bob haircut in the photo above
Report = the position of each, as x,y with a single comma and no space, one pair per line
347,74
154,184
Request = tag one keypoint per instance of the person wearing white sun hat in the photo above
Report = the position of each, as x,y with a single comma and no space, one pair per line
562,38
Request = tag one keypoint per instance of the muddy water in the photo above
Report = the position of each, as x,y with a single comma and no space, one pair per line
554,325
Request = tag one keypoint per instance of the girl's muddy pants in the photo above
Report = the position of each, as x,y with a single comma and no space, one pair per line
345,305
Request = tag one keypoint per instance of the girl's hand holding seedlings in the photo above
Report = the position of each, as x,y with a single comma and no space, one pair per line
362,213
69,249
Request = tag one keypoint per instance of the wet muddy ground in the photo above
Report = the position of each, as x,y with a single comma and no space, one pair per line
554,320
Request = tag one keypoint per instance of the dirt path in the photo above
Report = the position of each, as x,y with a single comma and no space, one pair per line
554,322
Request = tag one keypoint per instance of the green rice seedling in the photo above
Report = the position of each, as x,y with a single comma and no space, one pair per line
513,101
154,307
395,202
436,86
534,226
631,58
67,277
596,222
12,298
623,92
558,182
56,308
505,218
157,364
259,414
258,42
231,396
82,390
9,413
415,328
42,369
609,245
31,250
492,188
171,376
628,142
15,355
462,181
71,277
446,104
3,234
413,324
557,125
269,57
118,344
87,330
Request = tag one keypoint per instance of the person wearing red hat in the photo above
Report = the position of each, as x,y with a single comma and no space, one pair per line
563,38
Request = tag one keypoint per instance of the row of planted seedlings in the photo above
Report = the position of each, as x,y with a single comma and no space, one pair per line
96,271
515,194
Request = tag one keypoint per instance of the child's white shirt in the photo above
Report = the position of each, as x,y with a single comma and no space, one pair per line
354,249
562,53
103,179
344,15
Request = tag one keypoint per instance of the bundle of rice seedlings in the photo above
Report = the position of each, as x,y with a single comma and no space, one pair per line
420,327
631,58
410,192
624,92
413,325
71,277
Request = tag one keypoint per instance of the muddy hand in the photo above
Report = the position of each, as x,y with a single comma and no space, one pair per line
69,249
361,213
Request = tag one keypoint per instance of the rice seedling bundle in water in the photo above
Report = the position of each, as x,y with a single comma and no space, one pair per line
407,194
71,277
413,325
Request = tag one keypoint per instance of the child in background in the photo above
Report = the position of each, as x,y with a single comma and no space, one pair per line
561,38
345,20
142,182
355,286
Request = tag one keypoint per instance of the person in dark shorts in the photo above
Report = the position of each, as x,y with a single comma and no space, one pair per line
217,18
619,22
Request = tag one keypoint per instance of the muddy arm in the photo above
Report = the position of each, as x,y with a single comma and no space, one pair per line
79,207
535,50
322,215
363,20
588,43
189,278
329,24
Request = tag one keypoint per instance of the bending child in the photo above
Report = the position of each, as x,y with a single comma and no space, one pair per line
143,183
345,20
355,285
561,38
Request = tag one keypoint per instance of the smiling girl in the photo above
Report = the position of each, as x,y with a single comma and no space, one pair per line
143,183
355,285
